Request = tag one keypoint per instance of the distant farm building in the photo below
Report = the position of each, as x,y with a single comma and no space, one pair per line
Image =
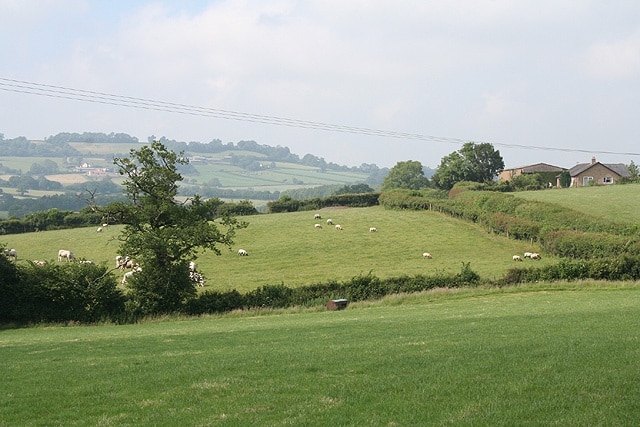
596,173
509,174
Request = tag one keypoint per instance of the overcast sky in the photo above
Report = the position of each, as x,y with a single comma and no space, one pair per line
544,81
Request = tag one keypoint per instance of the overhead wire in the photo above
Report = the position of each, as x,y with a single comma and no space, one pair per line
61,92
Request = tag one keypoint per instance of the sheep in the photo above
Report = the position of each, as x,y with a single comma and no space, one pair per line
66,254
318,226
373,230
517,258
11,253
535,256
426,255
192,266
105,225
317,216
196,278
39,263
329,221
338,227
528,254
99,230
86,261
129,274
242,252
126,262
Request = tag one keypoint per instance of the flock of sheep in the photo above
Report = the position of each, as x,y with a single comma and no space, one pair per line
318,226
530,255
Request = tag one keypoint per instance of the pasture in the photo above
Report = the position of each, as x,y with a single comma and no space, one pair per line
562,354
287,249
614,202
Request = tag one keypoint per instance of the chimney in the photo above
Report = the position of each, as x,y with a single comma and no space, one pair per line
593,160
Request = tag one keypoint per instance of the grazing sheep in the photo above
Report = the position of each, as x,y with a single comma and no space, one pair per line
528,254
318,226
242,252
126,262
105,225
517,258
373,230
66,254
535,256
426,255
11,253
329,221
99,230
317,216
129,274
338,227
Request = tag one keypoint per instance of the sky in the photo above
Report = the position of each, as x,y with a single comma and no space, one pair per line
355,81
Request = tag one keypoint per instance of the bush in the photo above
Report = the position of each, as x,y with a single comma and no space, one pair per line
66,292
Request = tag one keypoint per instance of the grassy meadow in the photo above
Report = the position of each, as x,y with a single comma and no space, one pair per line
562,354
287,249
620,203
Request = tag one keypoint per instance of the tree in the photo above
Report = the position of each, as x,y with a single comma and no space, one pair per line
633,171
473,162
161,233
565,179
407,175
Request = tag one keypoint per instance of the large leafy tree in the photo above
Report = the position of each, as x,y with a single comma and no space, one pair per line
473,162
162,233
407,175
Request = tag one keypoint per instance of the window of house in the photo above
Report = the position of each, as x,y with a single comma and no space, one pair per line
586,180
607,180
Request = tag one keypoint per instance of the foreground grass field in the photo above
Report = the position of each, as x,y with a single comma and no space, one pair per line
564,354
286,248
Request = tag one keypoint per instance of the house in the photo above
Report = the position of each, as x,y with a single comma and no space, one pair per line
596,173
508,174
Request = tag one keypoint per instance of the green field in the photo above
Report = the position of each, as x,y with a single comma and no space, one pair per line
287,249
563,355
619,203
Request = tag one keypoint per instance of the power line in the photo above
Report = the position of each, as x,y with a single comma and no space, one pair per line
61,92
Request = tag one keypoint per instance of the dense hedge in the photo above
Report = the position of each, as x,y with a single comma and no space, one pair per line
58,293
623,267
289,204
359,288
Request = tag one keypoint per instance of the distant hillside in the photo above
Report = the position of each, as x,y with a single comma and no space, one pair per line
71,163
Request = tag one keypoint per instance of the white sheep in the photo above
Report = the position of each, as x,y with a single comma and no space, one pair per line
66,254
528,254
11,253
318,226
427,255
338,227
99,230
535,256
242,252
129,274
329,221
317,216
517,258
373,230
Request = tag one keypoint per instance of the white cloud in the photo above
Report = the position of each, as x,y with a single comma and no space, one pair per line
617,59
